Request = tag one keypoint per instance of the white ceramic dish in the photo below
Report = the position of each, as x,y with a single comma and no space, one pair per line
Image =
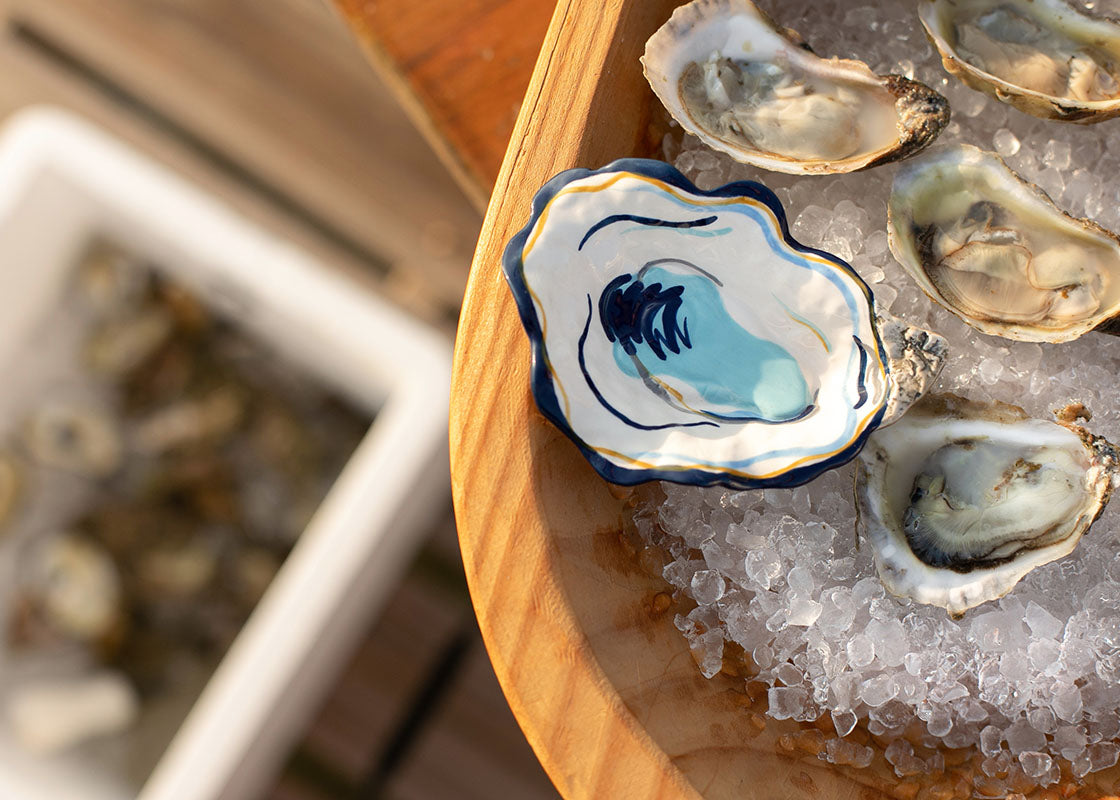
697,342
62,183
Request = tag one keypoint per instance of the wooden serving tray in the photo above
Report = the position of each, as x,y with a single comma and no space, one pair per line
581,637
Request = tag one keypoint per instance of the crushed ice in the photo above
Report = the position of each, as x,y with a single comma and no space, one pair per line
1029,679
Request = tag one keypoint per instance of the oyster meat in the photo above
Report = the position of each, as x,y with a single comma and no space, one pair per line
1041,56
729,76
997,252
960,500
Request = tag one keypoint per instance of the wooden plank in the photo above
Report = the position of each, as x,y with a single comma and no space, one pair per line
290,789
282,90
460,69
372,696
473,749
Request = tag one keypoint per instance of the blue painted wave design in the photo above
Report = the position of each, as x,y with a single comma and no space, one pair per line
616,413
776,248
545,392
655,223
858,358
647,316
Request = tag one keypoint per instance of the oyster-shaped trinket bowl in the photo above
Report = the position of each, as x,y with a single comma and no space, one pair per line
960,499
1043,57
730,76
997,252
683,335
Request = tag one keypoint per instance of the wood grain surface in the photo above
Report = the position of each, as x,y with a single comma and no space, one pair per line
607,693
504,455
460,69
581,638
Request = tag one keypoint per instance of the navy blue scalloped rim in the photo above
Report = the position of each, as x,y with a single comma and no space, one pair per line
543,390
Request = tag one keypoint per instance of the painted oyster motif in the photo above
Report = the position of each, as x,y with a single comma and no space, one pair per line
728,75
997,252
1040,56
683,335
960,500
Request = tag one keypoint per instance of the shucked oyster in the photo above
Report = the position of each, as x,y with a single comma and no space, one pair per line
997,252
727,75
960,500
1041,56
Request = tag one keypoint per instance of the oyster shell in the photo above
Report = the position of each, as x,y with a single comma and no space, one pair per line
110,279
997,252
76,586
683,335
123,343
75,438
729,76
960,500
1040,56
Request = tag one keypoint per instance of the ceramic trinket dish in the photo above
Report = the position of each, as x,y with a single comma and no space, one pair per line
683,335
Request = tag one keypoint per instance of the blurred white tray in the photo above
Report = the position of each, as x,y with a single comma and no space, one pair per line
63,182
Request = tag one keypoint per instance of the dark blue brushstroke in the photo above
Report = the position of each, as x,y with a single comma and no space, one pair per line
630,311
659,261
544,392
761,420
860,387
603,401
658,223
633,312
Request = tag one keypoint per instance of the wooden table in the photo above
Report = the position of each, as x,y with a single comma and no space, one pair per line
460,69
578,627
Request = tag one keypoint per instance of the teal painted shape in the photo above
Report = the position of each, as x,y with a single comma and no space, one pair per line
725,364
